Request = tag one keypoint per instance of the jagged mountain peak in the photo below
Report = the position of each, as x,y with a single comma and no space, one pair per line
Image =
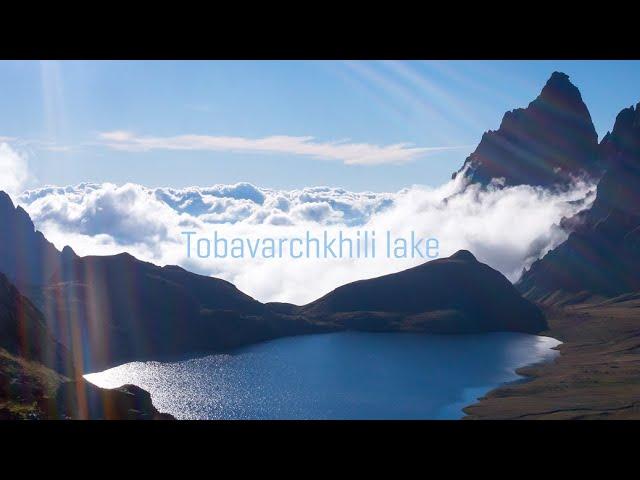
67,252
5,199
559,83
26,257
559,77
624,139
548,143
627,119
600,258
7,207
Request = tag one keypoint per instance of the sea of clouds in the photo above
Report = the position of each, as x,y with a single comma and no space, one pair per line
507,228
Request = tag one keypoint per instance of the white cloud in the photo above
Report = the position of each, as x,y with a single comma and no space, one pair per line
14,171
507,228
343,151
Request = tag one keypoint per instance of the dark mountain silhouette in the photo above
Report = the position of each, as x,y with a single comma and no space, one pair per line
545,144
601,257
449,295
101,311
113,309
37,376
26,257
24,332
118,309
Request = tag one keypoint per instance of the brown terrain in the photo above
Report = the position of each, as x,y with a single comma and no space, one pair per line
596,376
589,287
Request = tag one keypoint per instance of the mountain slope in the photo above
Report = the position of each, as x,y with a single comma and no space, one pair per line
600,258
546,144
449,295
26,257
118,309
32,364
24,332
37,376
115,309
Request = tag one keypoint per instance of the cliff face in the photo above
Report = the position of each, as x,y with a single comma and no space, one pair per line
601,257
548,143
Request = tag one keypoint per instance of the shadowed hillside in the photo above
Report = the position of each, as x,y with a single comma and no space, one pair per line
26,257
601,258
124,309
24,332
37,376
114,309
449,295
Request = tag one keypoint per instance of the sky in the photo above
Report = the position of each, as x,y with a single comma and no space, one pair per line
361,126
111,157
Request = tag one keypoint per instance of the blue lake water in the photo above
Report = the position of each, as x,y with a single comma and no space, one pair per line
337,376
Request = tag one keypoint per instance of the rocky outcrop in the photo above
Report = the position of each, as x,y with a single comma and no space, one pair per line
82,400
600,258
549,143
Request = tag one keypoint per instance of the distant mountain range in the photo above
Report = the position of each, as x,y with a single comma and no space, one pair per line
101,311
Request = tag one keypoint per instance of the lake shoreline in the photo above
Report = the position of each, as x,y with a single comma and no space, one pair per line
594,377
409,365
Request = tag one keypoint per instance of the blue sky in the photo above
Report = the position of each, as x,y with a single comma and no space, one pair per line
202,123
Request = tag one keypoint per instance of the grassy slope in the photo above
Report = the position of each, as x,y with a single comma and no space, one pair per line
26,387
597,375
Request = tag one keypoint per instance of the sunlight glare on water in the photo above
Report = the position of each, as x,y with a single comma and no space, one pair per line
336,376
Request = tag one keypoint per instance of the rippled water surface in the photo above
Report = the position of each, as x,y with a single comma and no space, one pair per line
337,376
